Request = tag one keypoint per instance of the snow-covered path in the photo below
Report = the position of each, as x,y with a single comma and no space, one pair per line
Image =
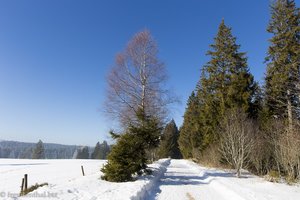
181,181
186,180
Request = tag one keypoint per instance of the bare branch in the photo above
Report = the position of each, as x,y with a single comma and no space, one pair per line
137,81
237,139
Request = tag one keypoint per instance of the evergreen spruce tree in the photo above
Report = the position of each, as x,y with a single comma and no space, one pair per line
126,159
128,155
169,142
190,136
283,59
225,83
39,151
104,150
83,153
100,151
96,152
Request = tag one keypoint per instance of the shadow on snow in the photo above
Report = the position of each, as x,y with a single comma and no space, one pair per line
185,179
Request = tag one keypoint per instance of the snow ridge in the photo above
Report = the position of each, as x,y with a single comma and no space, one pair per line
147,188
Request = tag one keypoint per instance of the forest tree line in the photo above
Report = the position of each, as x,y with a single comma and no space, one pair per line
40,150
232,120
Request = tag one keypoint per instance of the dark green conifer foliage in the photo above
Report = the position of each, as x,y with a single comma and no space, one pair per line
104,150
225,83
96,152
226,76
83,153
148,130
256,103
128,155
126,159
283,59
39,151
189,137
101,150
169,142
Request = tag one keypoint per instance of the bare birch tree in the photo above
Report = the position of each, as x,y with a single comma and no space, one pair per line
237,139
136,82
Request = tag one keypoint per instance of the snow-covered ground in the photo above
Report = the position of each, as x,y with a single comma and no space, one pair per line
66,181
172,179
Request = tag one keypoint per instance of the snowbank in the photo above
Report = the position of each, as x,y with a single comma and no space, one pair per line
159,168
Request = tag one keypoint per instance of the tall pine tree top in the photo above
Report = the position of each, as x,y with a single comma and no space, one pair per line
39,151
226,75
225,83
283,59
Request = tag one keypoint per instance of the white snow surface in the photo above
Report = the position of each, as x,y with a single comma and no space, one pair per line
172,179
186,180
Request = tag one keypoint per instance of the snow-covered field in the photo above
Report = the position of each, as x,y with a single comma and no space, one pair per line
172,179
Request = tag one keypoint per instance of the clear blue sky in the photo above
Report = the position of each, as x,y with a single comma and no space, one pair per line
54,56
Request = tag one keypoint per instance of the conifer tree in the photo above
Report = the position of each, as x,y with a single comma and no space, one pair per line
104,150
126,159
169,142
83,153
39,151
189,137
283,59
128,155
96,152
226,76
225,83
100,151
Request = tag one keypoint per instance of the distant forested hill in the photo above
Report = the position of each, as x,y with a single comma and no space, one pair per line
13,149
